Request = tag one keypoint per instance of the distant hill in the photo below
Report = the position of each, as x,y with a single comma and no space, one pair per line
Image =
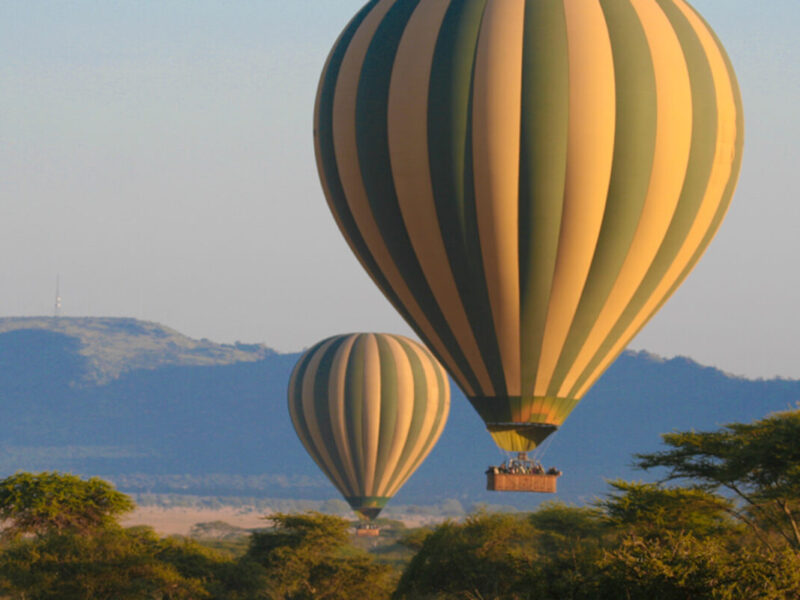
158,412
112,346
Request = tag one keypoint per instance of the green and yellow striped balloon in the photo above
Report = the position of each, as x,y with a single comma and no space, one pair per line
368,407
528,181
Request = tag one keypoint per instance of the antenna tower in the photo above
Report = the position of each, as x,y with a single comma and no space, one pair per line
57,306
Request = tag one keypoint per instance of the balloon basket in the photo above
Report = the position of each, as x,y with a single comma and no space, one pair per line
522,475
367,530
508,482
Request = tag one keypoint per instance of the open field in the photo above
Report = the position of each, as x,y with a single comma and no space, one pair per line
180,520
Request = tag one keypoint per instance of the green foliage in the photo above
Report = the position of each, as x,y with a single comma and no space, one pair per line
221,576
76,549
569,522
113,563
47,503
644,541
486,556
652,510
308,557
415,539
679,566
570,541
759,463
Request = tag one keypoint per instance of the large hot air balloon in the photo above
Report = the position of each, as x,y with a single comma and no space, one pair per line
368,408
528,181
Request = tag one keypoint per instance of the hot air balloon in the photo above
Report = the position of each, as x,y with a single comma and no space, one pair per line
528,181
368,407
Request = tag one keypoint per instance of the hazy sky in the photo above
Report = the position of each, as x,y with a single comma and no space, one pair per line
158,156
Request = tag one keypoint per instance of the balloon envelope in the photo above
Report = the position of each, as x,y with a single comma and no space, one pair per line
368,408
528,181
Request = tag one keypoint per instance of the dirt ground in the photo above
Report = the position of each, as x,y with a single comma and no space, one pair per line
179,521
172,521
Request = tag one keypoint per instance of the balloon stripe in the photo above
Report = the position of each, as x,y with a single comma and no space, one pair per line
590,149
450,155
672,149
371,409
496,114
295,395
307,405
438,397
634,149
395,440
543,164
418,449
372,142
421,385
336,400
389,401
720,175
321,410
350,173
354,407
408,148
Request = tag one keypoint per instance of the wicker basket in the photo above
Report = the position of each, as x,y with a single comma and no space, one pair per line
509,482
365,532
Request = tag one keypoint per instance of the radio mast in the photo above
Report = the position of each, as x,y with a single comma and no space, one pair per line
57,306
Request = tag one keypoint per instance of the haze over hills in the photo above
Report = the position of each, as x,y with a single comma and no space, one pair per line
156,411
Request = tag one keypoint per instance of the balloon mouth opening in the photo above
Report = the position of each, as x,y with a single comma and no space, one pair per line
367,507
368,514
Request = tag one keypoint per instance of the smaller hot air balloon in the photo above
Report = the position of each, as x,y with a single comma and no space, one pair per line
368,407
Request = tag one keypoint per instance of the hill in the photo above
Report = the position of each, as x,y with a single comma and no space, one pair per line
156,411
112,346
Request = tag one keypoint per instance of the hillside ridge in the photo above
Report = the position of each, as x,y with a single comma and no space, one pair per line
115,345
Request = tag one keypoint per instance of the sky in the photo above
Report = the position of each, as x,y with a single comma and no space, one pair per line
156,156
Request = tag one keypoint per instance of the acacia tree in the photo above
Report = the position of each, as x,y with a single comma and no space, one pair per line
488,556
677,543
677,566
63,542
308,556
54,502
758,463
651,510
111,563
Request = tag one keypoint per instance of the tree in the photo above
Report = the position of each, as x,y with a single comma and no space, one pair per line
650,510
63,542
221,576
486,556
758,463
571,540
679,566
308,556
110,564
53,502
